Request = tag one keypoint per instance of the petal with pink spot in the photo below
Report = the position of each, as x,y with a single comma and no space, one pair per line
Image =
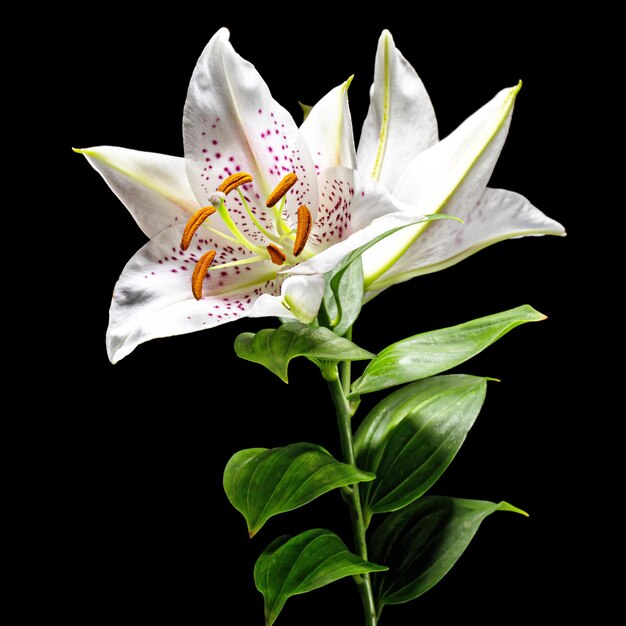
231,123
153,297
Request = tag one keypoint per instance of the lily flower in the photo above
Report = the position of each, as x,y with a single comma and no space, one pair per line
399,147
253,197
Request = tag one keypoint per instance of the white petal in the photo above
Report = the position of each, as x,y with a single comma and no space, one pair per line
270,306
153,187
349,201
400,122
231,123
451,175
332,256
153,297
300,299
327,130
303,295
464,158
333,222
498,215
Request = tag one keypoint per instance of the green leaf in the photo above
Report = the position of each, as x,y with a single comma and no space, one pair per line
343,297
421,543
261,483
409,439
290,566
346,286
430,353
274,348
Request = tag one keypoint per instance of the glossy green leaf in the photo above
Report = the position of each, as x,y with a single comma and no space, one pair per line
261,483
343,297
433,352
274,348
291,566
422,542
410,438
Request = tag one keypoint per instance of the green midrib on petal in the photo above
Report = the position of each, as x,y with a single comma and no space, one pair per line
340,120
144,182
429,269
384,125
412,233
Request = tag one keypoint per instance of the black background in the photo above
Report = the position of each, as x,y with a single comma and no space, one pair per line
138,525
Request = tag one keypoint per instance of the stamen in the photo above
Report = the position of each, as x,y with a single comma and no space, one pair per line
246,261
281,189
281,225
277,256
305,224
234,181
199,272
253,218
195,221
230,224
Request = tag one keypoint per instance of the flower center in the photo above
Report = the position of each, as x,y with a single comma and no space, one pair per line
283,246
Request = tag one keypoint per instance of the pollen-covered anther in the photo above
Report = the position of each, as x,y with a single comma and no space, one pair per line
199,272
305,223
195,221
277,256
235,180
281,189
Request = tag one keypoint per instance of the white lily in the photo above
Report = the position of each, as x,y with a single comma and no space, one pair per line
253,197
399,147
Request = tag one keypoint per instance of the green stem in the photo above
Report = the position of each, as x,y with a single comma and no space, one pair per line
345,368
344,411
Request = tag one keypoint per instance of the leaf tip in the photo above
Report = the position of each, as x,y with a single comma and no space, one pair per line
78,150
505,506
367,477
532,314
489,379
